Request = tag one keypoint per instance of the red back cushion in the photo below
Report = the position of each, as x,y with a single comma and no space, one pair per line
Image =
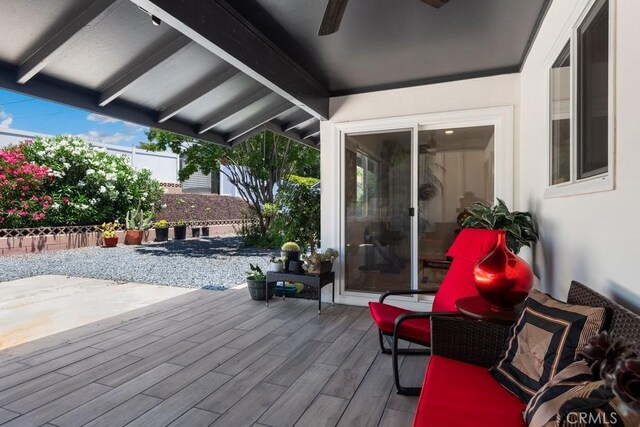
470,246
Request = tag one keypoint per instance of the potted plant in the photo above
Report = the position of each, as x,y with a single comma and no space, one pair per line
320,262
291,252
256,283
162,230
519,227
180,230
276,264
205,231
137,222
195,232
109,237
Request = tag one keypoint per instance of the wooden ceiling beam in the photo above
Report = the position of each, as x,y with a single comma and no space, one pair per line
269,114
57,38
230,110
219,28
196,92
141,66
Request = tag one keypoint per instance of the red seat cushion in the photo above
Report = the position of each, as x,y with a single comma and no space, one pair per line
385,316
457,394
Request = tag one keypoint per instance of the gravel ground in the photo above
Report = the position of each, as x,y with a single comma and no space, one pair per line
211,263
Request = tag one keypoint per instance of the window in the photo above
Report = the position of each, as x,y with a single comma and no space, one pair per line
366,184
580,108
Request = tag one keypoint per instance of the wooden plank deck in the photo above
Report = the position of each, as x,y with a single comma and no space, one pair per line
210,358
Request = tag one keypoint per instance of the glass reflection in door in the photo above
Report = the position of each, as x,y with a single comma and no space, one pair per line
455,169
377,222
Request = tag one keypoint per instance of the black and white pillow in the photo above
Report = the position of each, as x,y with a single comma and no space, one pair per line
575,398
547,337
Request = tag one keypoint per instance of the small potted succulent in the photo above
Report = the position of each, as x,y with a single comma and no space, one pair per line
162,230
256,283
137,222
108,232
276,264
290,251
320,262
180,230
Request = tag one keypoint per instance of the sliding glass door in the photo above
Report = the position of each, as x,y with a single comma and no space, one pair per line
377,228
455,169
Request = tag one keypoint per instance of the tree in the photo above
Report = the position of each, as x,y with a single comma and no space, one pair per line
254,166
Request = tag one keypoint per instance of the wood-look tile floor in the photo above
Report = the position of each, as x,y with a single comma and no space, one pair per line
210,358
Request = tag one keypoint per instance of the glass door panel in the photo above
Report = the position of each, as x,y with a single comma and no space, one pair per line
455,169
377,201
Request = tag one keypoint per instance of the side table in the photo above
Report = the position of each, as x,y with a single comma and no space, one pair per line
318,281
478,308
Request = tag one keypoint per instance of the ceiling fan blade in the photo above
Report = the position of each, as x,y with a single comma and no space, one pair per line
436,3
332,17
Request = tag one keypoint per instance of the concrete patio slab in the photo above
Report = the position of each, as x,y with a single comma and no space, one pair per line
41,306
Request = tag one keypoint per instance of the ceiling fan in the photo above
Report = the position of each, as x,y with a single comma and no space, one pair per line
335,10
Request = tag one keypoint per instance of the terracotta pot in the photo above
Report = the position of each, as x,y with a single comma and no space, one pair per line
502,278
133,237
110,242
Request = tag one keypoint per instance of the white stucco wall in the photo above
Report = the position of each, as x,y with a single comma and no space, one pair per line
591,237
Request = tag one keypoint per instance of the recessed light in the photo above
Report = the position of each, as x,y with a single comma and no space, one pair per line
448,132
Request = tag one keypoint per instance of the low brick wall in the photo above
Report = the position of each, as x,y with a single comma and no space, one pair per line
50,242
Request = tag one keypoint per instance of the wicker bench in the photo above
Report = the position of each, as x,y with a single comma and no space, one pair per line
458,389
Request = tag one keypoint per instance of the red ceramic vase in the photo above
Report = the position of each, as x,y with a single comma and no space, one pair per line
502,278
110,242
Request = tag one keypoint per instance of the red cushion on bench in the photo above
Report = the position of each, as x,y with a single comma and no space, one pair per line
385,316
460,394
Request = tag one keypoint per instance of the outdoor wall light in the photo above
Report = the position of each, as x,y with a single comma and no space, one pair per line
448,132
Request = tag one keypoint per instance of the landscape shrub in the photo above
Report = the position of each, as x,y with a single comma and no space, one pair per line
89,185
23,200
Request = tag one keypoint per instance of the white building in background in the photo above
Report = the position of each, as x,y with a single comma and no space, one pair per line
164,166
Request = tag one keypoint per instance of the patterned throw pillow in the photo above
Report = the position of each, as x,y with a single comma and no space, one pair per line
546,403
574,398
546,339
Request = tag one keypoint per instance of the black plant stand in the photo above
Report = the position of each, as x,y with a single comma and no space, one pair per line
319,281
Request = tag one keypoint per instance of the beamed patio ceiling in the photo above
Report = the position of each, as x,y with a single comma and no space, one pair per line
222,71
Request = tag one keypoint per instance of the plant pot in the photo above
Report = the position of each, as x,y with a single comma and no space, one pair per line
180,232
295,267
291,256
162,234
276,267
324,267
110,242
205,231
195,232
257,289
133,237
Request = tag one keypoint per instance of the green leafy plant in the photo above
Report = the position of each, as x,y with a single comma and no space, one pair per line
299,213
161,224
518,226
137,219
255,273
290,247
109,229
313,261
181,222
277,260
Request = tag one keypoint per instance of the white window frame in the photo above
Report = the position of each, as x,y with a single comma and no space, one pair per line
604,181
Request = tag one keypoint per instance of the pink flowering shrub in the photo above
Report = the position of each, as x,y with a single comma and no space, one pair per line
22,202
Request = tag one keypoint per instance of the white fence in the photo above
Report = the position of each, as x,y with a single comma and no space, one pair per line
164,166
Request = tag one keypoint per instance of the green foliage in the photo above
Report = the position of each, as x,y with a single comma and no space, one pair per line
519,226
161,224
299,215
290,247
137,219
303,180
91,186
254,166
255,273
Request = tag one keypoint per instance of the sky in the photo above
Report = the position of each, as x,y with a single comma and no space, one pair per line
23,112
